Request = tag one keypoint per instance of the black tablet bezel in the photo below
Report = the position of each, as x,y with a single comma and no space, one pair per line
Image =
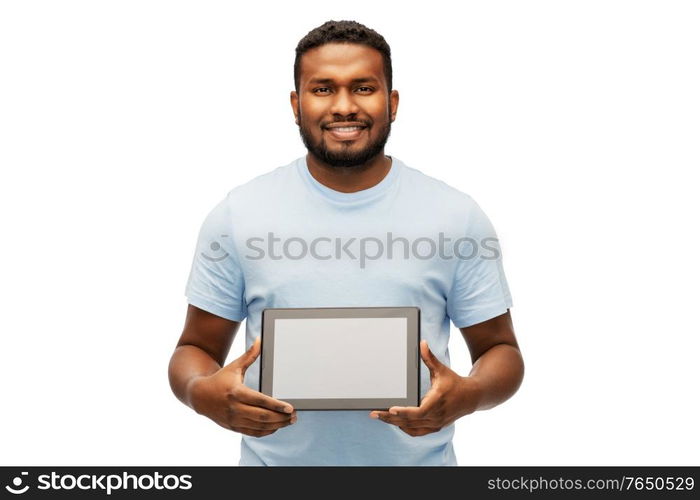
412,314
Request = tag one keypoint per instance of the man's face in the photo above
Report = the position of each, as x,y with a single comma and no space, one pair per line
344,109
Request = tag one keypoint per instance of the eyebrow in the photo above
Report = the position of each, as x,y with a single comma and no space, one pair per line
354,80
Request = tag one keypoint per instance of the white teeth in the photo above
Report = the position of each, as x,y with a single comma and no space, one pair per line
346,129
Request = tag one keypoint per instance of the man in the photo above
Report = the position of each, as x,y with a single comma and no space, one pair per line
285,239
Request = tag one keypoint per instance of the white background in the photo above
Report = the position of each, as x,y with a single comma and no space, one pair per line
574,124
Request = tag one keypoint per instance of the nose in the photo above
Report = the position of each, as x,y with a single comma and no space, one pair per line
344,102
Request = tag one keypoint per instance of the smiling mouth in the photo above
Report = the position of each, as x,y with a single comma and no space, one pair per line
345,133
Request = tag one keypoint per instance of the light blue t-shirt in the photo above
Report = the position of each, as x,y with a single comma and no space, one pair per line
285,240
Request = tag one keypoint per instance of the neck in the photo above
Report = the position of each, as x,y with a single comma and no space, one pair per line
350,179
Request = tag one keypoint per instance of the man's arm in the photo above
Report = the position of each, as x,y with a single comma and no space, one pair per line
497,364
199,379
202,349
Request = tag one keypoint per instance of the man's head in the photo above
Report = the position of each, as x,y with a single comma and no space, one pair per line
343,78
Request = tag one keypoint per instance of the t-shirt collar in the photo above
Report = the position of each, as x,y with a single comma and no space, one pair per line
359,196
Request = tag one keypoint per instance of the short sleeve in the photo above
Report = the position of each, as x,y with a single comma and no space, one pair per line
479,291
216,282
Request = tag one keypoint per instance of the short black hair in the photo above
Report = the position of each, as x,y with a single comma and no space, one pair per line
343,32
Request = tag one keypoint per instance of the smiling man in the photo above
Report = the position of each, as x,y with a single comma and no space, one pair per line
346,189
347,114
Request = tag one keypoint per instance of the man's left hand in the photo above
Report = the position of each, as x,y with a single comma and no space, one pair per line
449,398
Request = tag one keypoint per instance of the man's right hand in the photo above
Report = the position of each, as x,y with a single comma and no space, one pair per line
225,399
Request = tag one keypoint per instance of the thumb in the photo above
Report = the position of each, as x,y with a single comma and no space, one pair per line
247,358
429,358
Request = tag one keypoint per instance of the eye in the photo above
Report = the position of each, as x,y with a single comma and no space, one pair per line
316,91
365,89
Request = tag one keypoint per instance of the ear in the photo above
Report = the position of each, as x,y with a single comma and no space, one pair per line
394,103
294,100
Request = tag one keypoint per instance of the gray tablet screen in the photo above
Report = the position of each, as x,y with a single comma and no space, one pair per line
341,358
320,358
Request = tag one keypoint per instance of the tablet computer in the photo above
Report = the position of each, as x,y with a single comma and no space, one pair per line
341,358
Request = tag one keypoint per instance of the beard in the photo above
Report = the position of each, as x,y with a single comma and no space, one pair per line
344,157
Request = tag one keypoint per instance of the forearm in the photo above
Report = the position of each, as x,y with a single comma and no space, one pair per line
498,374
188,363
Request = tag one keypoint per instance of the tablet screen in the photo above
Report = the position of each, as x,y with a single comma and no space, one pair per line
340,358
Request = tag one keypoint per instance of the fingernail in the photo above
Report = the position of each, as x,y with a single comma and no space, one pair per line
393,412
374,415
288,409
